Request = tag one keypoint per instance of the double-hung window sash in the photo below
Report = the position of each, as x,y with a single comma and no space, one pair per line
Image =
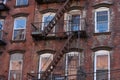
102,21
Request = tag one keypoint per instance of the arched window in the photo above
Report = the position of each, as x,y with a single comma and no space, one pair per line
102,65
102,20
19,28
72,65
15,68
72,20
47,17
44,60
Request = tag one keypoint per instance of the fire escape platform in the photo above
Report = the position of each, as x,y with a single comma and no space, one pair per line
49,1
2,43
3,7
58,36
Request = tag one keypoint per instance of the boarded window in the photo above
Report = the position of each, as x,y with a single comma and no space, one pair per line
16,63
102,65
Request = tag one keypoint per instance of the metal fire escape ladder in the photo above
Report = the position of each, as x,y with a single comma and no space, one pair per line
47,29
57,17
57,58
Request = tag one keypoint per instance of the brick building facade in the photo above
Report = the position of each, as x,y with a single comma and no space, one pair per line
59,39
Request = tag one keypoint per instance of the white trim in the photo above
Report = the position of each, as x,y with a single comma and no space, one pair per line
18,18
99,10
102,52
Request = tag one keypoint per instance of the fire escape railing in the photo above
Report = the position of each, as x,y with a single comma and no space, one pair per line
3,6
49,1
57,17
38,29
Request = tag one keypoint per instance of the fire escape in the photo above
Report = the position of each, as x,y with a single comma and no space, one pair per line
37,35
3,8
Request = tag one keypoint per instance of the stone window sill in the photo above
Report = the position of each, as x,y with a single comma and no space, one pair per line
17,41
102,33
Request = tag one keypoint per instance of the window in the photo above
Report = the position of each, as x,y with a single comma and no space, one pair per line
19,28
102,20
102,65
72,65
1,28
44,61
72,21
21,2
3,1
46,19
16,63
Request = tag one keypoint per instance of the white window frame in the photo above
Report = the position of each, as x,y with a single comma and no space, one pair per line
19,28
67,17
99,10
21,4
66,60
49,55
10,65
47,15
100,53
2,20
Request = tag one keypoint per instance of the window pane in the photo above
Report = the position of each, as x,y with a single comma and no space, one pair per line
1,24
1,28
15,75
102,74
21,2
72,64
20,23
102,18
75,23
47,19
45,61
102,62
19,34
102,26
